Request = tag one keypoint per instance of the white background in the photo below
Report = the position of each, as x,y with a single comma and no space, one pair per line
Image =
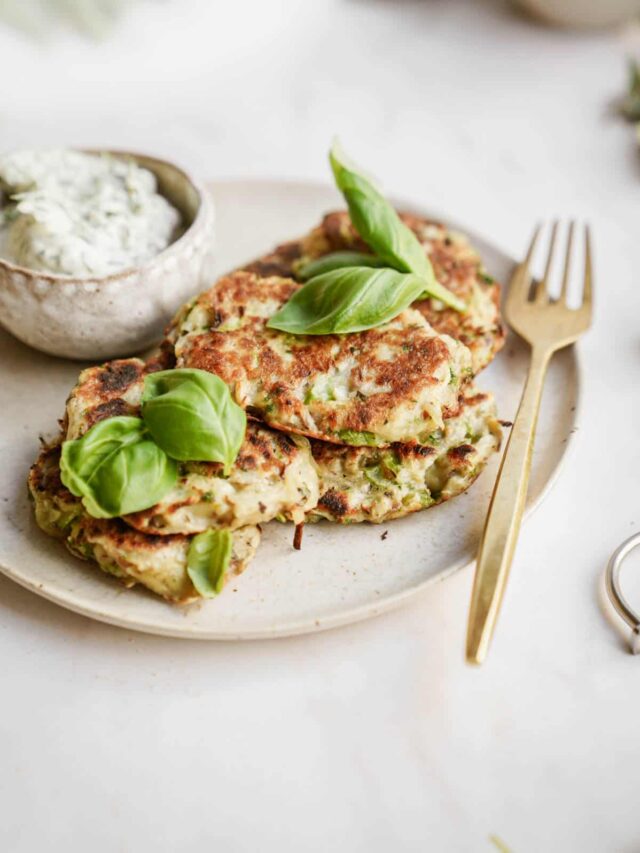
376,737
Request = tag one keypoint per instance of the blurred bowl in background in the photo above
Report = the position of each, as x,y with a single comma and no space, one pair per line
582,13
119,314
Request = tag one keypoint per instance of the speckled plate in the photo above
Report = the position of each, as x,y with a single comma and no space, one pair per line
342,574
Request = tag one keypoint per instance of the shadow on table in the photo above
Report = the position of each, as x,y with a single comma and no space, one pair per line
63,624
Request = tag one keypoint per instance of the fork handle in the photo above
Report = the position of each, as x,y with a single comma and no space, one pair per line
505,515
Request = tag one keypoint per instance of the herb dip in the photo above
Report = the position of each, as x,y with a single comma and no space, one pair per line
79,214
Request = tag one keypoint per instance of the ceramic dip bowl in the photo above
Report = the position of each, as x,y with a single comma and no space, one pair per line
119,314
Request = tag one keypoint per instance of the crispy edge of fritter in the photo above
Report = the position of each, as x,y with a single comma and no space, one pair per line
110,383
107,383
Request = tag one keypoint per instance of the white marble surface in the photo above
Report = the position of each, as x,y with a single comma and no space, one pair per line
375,737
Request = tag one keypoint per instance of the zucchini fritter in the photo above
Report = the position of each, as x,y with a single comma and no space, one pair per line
397,382
456,264
374,484
273,474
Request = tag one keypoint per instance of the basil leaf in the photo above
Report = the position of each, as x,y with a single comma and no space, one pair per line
377,222
336,261
192,416
208,560
116,468
347,300
383,231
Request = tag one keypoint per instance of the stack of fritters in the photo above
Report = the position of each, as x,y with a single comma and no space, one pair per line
273,476
367,426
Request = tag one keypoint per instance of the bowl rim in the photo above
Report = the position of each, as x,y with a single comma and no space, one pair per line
204,202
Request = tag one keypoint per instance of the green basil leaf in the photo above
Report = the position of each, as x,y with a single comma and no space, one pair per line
383,231
208,560
347,300
192,416
116,468
336,261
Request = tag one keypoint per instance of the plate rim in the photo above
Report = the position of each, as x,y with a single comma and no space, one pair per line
360,612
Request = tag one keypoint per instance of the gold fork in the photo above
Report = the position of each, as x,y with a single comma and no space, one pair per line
547,325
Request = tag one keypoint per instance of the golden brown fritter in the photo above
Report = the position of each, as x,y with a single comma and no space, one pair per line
379,484
456,264
273,475
393,383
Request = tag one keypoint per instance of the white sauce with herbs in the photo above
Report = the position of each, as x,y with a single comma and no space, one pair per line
81,214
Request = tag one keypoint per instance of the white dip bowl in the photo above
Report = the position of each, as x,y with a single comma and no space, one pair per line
119,314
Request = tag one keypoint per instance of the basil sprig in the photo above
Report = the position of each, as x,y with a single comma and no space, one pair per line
336,261
116,468
191,415
352,291
347,300
127,464
383,231
208,559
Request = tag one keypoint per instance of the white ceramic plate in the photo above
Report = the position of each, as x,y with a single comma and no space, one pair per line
342,574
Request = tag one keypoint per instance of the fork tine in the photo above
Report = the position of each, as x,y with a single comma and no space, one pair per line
521,280
567,264
532,245
542,288
588,275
